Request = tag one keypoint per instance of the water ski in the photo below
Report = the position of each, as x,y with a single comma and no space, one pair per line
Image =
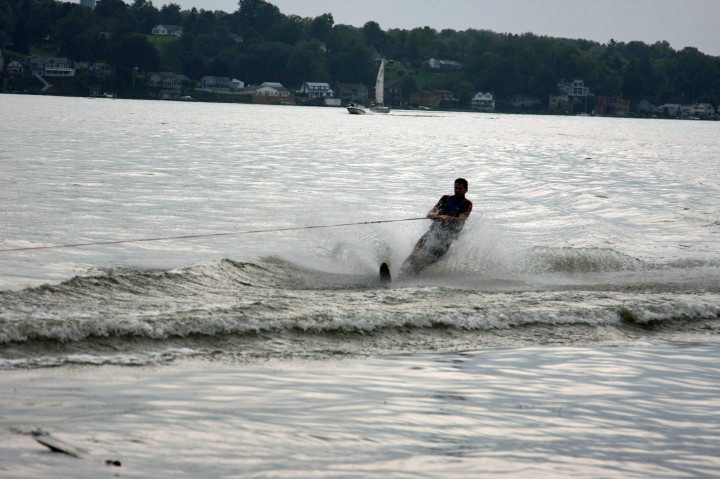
385,273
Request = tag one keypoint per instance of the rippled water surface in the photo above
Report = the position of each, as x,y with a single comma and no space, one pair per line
590,259
520,413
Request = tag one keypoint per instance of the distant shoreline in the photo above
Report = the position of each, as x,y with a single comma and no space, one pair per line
397,108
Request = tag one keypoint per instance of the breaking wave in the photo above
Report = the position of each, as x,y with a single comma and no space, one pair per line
132,316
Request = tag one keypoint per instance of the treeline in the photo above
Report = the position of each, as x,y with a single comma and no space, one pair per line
259,43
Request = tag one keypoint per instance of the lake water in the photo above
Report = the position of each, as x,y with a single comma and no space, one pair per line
571,331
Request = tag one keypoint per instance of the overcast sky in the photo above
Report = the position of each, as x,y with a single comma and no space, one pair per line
681,22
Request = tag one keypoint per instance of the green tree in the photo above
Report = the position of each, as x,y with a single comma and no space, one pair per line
354,64
465,92
257,14
208,46
419,43
321,27
144,15
289,30
7,22
219,66
408,85
306,63
76,33
21,33
269,61
194,67
374,36
113,15
171,14
173,54
130,51
44,14
204,22
344,37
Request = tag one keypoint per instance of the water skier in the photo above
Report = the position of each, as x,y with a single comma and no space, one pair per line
449,215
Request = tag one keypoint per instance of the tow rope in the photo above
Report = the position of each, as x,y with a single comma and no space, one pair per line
208,235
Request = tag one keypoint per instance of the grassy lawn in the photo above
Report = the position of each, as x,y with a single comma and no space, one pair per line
160,42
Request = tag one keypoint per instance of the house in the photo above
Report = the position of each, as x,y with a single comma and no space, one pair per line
168,86
269,93
444,65
249,89
571,97
612,106
393,92
645,108
483,101
272,89
352,92
431,98
215,83
15,68
236,85
316,90
669,110
560,103
50,67
574,89
221,84
702,110
168,30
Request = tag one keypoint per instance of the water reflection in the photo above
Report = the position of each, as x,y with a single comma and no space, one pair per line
650,411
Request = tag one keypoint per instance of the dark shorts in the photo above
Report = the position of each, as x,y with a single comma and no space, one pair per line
435,243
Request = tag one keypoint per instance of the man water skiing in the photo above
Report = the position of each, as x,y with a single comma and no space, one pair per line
448,215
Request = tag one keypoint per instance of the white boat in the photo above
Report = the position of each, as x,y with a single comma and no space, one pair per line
355,109
380,91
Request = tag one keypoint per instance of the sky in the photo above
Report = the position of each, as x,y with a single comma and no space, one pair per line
682,23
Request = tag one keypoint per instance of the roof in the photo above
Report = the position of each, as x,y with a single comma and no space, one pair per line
271,87
170,28
317,84
219,79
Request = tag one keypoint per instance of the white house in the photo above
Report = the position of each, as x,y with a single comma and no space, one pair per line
50,67
221,84
670,109
15,68
236,85
483,101
212,82
316,90
575,88
168,30
702,110
272,89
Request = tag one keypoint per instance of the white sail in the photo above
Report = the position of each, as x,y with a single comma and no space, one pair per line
380,84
